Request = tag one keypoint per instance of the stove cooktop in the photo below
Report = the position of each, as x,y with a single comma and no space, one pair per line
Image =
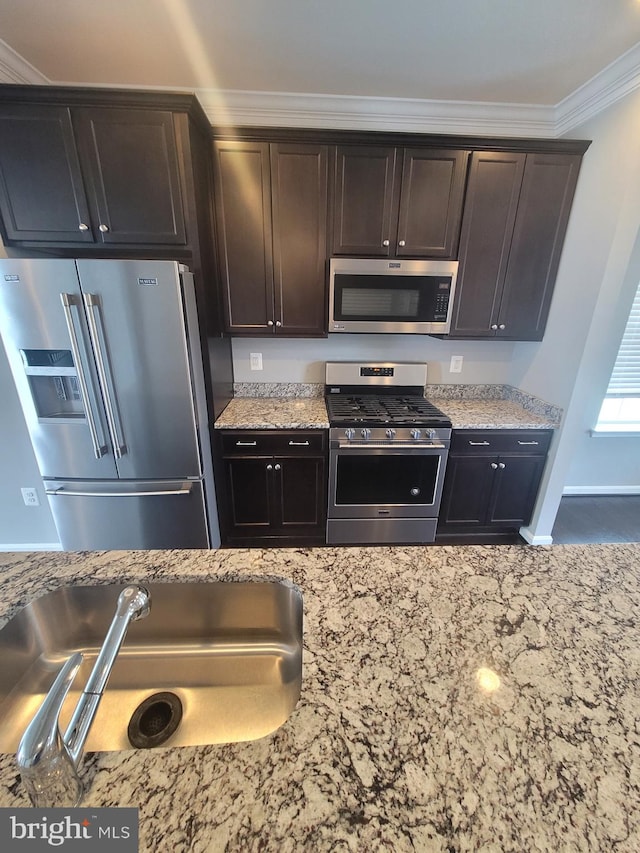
373,410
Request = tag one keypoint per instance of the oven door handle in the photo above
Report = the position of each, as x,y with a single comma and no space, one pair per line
392,446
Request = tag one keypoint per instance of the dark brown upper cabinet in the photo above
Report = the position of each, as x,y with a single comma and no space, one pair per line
271,217
89,176
398,202
516,212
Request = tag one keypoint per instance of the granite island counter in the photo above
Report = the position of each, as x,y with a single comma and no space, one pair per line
454,699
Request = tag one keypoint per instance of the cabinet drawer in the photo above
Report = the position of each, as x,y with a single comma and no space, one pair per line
273,441
501,441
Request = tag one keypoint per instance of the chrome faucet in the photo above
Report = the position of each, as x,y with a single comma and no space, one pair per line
49,762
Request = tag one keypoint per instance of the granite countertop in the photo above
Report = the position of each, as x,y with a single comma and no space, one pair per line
453,699
274,413
310,413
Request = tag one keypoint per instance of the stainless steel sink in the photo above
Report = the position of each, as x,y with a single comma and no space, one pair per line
230,652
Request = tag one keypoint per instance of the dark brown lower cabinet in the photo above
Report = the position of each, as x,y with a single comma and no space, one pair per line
274,487
491,482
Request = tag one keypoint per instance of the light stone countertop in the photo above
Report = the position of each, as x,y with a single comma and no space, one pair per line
311,413
395,743
274,413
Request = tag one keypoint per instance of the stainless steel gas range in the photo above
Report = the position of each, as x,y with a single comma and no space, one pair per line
388,450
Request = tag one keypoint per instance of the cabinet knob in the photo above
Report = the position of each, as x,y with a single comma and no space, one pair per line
401,243
104,228
278,323
501,465
269,322
502,326
494,326
269,467
277,466
494,465
83,227
385,242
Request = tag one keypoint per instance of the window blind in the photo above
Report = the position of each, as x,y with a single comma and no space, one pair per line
625,378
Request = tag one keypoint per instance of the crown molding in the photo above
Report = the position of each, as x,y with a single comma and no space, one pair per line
613,83
15,69
286,109
235,108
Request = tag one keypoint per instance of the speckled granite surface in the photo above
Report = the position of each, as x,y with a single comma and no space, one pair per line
311,413
274,413
477,698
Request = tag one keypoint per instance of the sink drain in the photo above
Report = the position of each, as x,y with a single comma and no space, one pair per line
155,720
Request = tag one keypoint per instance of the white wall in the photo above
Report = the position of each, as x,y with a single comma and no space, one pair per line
291,360
596,281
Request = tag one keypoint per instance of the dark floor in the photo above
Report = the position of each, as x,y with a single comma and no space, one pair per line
604,518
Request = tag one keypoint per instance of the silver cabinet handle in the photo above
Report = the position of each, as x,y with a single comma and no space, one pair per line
104,375
246,443
278,323
277,466
480,443
103,228
524,443
298,444
83,227
385,242
401,243
494,326
501,465
62,492
92,421
494,465
269,467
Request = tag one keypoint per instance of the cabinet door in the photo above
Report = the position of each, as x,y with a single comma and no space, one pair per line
131,161
467,488
431,202
299,487
42,195
543,212
243,214
487,228
515,488
249,481
365,201
299,208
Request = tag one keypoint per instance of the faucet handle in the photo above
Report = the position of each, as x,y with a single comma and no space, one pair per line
46,767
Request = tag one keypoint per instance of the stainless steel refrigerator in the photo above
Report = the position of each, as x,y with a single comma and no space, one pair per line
106,359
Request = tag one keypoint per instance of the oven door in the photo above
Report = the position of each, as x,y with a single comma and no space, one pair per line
386,481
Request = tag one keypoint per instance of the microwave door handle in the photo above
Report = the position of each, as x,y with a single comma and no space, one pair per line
96,331
67,300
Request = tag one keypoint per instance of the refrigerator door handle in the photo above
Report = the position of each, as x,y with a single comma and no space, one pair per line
83,379
98,339
62,492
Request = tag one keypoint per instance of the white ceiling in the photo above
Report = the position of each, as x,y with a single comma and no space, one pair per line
466,52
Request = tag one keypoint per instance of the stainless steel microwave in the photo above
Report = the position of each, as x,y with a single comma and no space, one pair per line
374,295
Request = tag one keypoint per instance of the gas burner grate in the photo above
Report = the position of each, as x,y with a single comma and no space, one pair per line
372,409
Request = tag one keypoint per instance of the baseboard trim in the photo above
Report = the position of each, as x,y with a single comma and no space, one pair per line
26,546
531,539
601,490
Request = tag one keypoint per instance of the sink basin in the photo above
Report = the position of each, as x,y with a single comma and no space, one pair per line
230,652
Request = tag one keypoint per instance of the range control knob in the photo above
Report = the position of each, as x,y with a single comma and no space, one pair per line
416,434
365,433
390,433
350,433
431,433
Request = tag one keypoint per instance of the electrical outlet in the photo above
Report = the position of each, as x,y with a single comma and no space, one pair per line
456,364
255,360
30,496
